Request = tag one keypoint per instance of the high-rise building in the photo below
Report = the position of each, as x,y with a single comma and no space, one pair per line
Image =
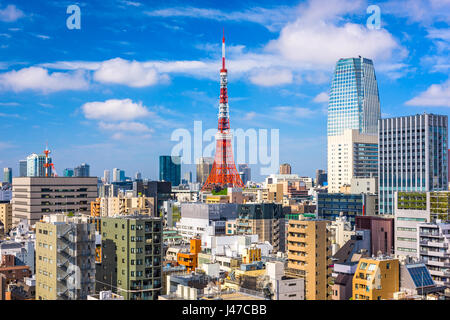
285,168
309,256
131,262
68,172
138,176
204,166
106,177
159,190
412,156
118,175
35,196
245,172
22,168
351,155
354,101
82,170
35,165
264,219
170,169
7,175
65,258
321,178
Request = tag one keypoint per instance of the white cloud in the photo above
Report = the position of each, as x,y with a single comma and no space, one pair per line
39,79
437,95
287,113
307,49
425,12
42,36
115,110
273,19
10,13
9,104
439,61
321,97
131,73
125,126
317,38
131,3
271,77
250,115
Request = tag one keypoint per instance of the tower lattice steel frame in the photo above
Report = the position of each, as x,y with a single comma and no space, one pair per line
223,173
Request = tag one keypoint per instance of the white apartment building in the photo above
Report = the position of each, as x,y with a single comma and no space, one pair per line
283,287
351,155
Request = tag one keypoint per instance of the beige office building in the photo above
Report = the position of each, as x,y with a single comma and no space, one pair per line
351,155
112,206
204,166
6,215
65,257
35,196
309,256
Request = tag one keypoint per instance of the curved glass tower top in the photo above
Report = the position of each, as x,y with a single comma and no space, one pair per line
354,101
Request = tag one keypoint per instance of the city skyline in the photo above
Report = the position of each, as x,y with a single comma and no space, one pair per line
71,97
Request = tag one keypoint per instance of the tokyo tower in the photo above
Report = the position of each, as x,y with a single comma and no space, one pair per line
223,173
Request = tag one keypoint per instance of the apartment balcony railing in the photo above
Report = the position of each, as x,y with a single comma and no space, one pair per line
434,253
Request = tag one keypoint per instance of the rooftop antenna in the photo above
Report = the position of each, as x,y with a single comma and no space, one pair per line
48,164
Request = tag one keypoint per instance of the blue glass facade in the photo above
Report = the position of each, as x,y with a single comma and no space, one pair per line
354,101
170,169
330,205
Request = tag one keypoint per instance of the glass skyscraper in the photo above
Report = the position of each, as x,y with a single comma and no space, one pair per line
170,169
22,168
35,165
412,156
7,175
354,101
68,172
82,170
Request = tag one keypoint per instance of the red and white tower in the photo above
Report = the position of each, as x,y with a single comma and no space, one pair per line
223,173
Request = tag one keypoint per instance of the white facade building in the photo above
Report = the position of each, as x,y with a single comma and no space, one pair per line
351,155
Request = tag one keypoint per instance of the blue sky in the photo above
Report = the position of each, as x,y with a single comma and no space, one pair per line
112,93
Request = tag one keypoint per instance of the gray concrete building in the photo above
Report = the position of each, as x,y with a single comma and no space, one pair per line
35,196
65,257
412,156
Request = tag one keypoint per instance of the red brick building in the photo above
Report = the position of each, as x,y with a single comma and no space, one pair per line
11,271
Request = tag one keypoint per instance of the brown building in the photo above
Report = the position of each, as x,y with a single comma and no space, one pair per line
264,219
285,168
309,256
22,290
11,271
381,232
2,287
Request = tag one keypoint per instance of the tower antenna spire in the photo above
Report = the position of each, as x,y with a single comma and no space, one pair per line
223,50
